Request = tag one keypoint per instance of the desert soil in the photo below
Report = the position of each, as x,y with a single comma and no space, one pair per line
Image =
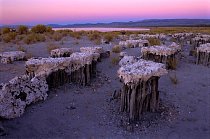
72,111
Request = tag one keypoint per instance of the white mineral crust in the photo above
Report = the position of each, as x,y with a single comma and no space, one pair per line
61,52
140,70
7,57
127,60
45,66
162,49
20,92
92,50
204,48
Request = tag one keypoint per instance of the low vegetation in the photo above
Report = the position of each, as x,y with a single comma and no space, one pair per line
40,33
154,41
34,37
129,45
115,60
21,48
116,49
39,29
173,78
49,29
76,34
5,30
20,37
22,29
173,40
56,36
108,37
94,36
9,37
172,63
172,30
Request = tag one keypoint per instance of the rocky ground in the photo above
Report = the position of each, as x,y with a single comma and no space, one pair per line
72,111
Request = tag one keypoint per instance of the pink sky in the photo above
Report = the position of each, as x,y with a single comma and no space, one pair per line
84,11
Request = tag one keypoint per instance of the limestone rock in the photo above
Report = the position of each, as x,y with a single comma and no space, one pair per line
203,54
127,60
134,43
141,69
197,41
92,50
61,52
9,57
20,92
140,86
45,66
204,48
95,50
122,54
162,49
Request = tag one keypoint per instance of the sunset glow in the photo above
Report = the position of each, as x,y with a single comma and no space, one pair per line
91,11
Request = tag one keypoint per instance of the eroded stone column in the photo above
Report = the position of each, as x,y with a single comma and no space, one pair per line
140,86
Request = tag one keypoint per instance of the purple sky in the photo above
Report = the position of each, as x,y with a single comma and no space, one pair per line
92,11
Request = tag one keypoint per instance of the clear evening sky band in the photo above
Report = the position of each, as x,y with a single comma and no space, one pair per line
91,11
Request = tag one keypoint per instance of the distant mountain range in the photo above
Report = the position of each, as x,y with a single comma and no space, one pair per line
142,23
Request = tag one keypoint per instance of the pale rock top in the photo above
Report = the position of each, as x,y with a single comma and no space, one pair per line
162,49
182,34
127,60
146,36
13,54
44,66
122,54
204,48
133,41
201,37
92,50
61,51
141,70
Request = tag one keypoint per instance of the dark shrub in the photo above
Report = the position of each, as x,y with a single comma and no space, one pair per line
116,49
76,34
108,37
9,37
49,29
32,38
115,60
57,36
22,29
21,48
95,35
5,30
39,29
154,41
